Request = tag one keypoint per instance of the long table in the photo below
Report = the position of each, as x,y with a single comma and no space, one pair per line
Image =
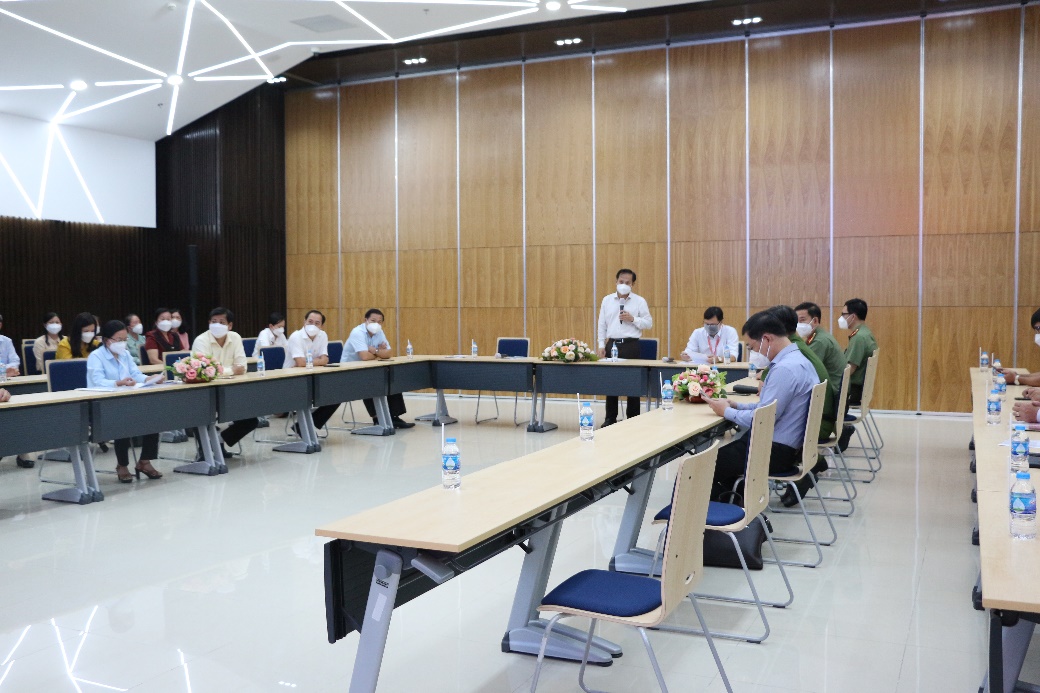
1009,585
384,557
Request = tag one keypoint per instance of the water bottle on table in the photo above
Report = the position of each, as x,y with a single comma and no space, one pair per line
586,421
1000,385
1019,449
261,365
451,471
1023,508
613,352
667,395
409,351
310,360
752,370
3,372
984,362
725,354
473,348
993,408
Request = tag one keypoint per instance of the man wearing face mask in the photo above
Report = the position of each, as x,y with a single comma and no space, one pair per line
273,335
790,382
368,342
623,316
225,346
8,354
711,343
822,342
1012,377
861,344
311,338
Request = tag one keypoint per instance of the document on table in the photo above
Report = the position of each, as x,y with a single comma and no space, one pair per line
157,379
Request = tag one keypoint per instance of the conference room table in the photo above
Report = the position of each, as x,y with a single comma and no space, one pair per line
384,557
1009,567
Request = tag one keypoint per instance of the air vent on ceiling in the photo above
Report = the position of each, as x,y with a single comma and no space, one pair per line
324,23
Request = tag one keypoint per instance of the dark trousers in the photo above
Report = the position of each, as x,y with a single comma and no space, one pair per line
732,463
855,395
149,449
321,415
396,403
238,430
628,349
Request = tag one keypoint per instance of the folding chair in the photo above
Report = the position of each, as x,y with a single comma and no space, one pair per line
29,366
830,448
730,519
68,374
507,346
249,345
644,602
864,416
48,356
648,349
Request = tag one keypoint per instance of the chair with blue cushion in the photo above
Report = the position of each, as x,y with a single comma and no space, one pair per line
638,601
730,519
29,360
513,347
144,355
48,356
249,345
335,351
172,357
810,453
648,349
62,376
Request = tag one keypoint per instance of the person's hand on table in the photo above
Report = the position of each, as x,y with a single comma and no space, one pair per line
12,371
1008,375
238,370
626,316
601,352
684,357
384,345
1026,411
125,382
5,396
719,406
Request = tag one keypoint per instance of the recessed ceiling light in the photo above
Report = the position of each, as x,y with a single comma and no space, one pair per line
567,42
552,5
414,61
747,20
174,80
78,85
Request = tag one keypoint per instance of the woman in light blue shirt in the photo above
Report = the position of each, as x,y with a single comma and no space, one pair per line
111,366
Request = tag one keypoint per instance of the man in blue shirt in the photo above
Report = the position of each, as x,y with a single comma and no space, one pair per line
790,383
368,342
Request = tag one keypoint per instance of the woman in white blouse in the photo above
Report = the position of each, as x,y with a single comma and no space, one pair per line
273,335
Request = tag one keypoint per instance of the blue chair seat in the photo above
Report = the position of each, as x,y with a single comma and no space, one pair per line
719,514
850,417
605,592
789,472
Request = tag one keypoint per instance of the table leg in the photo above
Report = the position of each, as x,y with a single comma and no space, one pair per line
541,425
79,493
1007,652
440,415
208,465
308,433
215,446
386,575
627,558
525,629
88,470
385,427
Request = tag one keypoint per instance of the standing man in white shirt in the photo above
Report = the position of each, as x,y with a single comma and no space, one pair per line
623,316
711,343
312,338
225,346
368,342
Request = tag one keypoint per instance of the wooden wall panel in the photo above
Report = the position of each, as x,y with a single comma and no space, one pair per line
310,172
856,264
971,86
631,164
877,130
309,278
969,270
559,294
426,162
707,136
895,329
789,271
789,137
367,167
1031,123
428,282
952,336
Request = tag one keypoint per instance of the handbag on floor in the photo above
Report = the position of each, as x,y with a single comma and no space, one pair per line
719,551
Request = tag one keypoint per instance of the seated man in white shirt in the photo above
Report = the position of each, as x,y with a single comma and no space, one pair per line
623,315
711,343
225,346
311,339
273,335
8,354
368,342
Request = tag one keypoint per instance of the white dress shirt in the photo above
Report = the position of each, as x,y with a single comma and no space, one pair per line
360,340
299,344
701,343
267,338
610,325
232,353
8,354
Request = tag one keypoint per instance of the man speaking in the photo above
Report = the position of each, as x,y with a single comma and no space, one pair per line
623,316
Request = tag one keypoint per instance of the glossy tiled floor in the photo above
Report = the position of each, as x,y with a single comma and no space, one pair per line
215,584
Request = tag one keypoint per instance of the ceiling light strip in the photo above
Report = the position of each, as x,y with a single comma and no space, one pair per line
184,38
64,106
483,3
46,171
102,104
28,201
344,42
86,190
173,110
80,42
466,25
598,8
127,82
30,87
233,78
239,36
369,24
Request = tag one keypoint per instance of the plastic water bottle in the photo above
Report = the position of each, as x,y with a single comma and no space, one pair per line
725,354
261,365
752,370
310,360
1020,449
473,348
1023,508
451,471
409,351
984,362
1000,385
667,395
993,407
3,371
586,421
613,352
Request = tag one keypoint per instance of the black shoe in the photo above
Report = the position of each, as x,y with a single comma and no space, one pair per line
296,430
103,446
401,423
24,463
789,499
224,451
375,421
608,422
846,436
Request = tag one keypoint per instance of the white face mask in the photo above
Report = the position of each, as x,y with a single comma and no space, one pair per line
1036,338
87,337
624,289
803,329
373,328
311,330
278,331
759,359
164,325
218,330
843,323
175,323
53,328
117,348
137,329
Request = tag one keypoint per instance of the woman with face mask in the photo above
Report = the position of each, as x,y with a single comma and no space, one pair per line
177,323
273,335
111,366
134,337
49,340
163,338
81,339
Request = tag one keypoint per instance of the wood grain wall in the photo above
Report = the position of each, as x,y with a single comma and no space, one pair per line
810,166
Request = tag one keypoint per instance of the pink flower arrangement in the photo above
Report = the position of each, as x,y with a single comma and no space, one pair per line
704,380
195,368
568,351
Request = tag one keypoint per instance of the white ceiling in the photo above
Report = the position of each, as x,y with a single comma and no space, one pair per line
55,42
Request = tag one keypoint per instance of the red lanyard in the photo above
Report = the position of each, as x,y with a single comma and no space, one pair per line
715,348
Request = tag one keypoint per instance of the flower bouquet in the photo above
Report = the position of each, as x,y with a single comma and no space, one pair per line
568,350
195,368
703,380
